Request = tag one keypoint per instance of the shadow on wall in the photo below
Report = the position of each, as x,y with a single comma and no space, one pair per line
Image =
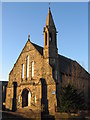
3,86
72,72
14,104
44,102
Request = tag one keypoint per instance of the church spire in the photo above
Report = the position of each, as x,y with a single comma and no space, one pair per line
50,51
49,21
50,37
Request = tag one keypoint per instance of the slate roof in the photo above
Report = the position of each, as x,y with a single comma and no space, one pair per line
66,65
71,67
39,48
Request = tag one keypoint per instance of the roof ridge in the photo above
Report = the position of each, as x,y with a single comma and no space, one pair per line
66,57
36,45
39,48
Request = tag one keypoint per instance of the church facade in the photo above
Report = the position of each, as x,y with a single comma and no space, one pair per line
39,73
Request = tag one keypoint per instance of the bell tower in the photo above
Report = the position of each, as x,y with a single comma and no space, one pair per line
50,50
50,38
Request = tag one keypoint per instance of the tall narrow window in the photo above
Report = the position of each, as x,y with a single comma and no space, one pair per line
56,74
45,38
34,100
22,71
50,37
32,69
27,67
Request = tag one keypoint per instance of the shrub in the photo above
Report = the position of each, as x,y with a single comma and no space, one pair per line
71,100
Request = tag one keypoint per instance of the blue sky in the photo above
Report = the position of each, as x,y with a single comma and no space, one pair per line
21,19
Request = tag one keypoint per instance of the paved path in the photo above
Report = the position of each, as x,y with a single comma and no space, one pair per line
21,114
29,114
7,115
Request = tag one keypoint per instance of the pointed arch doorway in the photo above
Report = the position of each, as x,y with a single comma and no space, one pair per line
26,98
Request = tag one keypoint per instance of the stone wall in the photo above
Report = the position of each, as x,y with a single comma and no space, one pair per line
43,86
74,74
42,70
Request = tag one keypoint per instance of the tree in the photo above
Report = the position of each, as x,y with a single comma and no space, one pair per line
71,100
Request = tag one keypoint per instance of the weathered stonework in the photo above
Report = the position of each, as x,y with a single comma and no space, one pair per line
51,72
42,70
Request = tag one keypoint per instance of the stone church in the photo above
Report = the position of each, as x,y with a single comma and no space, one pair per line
39,73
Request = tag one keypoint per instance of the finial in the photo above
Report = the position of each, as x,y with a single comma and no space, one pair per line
49,5
28,37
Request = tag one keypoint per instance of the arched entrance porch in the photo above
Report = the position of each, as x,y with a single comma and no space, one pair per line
26,97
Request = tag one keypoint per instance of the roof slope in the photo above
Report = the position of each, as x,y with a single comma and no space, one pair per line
71,67
50,21
66,65
39,48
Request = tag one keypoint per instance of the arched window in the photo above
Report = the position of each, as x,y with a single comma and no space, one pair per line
32,69
56,74
45,38
34,100
29,98
50,37
26,97
27,67
22,71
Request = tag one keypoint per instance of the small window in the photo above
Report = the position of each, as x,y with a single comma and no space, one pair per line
34,100
50,37
22,71
32,69
56,74
27,67
45,38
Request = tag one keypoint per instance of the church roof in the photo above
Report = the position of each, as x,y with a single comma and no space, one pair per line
49,21
71,67
39,48
62,60
67,65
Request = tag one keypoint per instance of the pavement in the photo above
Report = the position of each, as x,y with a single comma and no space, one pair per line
20,115
29,114
7,115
